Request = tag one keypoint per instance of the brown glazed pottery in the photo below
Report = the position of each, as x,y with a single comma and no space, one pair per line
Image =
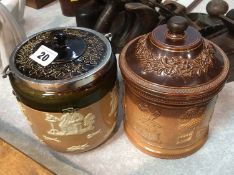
37,4
69,7
172,77
71,103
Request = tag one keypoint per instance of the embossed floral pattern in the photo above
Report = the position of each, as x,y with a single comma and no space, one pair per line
174,66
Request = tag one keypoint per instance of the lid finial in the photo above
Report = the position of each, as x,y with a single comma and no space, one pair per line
177,24
60,38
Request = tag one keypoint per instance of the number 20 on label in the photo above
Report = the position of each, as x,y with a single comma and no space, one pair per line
44,55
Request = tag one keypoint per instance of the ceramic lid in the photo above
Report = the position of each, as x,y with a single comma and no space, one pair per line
174,58
82,71
82,54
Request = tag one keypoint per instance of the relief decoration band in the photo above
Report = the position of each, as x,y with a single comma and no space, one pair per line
175,66
71,122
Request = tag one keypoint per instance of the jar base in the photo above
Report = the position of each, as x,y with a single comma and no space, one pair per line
161,152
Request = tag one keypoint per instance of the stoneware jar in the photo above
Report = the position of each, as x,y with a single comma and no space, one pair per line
172,77
70,103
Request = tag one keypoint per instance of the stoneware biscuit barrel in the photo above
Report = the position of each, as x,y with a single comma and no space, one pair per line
172,77
71,103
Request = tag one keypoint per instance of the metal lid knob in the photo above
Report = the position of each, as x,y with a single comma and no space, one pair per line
177,25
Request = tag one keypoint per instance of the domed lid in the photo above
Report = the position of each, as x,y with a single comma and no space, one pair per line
61,55
173,58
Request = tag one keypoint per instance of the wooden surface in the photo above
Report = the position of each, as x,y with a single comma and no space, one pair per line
13,162
37,3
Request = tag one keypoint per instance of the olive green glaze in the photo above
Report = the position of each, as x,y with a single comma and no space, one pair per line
57,101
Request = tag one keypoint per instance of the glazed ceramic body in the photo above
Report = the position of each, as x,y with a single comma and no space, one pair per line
71,103
166,131
172,77
75,130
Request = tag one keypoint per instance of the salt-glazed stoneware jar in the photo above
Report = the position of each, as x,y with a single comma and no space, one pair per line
172,77
70,103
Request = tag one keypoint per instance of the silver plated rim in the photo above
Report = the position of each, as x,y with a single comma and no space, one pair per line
86,75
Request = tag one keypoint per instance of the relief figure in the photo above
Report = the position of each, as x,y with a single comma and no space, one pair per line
188,124
70,123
